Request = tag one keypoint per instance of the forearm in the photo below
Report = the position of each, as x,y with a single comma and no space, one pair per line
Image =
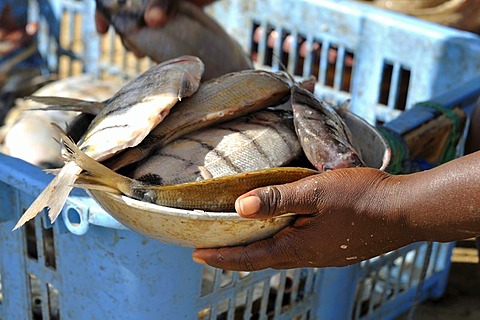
442,204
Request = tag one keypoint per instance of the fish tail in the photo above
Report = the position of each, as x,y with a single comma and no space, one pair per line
96,173
68,104
53,196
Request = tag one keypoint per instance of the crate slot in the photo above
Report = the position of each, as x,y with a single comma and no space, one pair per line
400,263
71,44
53,302
302,55
43,298
49,248
33,243
36,299
394,85
31,240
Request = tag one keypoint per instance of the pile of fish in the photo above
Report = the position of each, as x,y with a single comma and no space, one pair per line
170,139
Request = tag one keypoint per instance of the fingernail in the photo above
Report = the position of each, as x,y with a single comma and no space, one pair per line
248,206
198,260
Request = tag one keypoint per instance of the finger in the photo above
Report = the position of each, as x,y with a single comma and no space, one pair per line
31,28
158,12
241,258
296,197
282,249
101,22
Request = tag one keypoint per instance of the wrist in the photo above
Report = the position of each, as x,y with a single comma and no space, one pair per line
388,201
441,204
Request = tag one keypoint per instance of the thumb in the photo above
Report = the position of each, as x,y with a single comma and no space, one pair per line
267,202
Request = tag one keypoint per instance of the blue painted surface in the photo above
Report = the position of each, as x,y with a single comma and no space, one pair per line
107,272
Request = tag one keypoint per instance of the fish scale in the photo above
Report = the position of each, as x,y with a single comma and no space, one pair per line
260,140
217,100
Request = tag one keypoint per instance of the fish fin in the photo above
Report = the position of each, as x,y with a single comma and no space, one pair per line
308,84
81,183
125,158
67,104
188,86
96,171
53,196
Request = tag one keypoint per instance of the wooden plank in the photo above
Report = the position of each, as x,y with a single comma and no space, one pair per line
429,139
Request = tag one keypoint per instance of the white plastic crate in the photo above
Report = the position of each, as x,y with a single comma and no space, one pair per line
88,266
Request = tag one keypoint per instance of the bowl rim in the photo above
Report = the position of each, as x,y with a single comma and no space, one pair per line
175,212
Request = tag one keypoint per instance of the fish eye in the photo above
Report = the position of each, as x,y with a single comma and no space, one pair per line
327,168
150,196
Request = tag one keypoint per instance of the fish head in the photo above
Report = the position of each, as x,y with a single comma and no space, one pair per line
343,160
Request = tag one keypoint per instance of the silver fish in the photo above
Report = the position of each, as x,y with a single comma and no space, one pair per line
123,122
190,32
324,136
264,139
217,100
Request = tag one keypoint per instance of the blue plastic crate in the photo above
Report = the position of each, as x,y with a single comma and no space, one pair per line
397,60
88,266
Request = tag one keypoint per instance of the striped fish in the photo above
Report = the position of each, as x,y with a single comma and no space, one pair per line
218,100
264,139
123,121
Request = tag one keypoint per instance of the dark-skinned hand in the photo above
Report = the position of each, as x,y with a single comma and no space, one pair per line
156,15
349,215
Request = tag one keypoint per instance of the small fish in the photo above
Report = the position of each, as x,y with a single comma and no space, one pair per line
189,32
218,194
324,136
264,139
217,100
123,122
